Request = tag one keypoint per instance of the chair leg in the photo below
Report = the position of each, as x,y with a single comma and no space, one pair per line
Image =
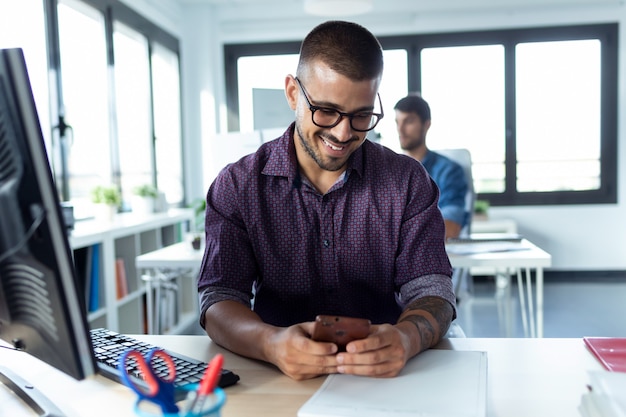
461,276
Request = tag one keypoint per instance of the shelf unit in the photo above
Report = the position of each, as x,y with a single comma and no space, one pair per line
127,236
174,266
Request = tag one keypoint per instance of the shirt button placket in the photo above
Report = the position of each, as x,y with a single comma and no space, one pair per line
329,267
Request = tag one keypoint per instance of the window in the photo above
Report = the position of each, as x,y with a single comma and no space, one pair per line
133,109
86,147
261,80
535,107
118,91
464,87
22,25
558,136
167,123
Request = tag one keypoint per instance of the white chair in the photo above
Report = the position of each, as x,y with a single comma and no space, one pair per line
463,158
455,330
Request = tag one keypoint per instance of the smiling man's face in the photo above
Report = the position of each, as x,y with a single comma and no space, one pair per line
329,148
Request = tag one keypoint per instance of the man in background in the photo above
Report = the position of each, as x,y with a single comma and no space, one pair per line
413,122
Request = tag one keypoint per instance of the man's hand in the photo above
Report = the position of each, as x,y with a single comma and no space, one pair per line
299,357
239,329
382,354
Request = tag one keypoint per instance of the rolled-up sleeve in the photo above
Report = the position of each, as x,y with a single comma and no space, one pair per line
228,268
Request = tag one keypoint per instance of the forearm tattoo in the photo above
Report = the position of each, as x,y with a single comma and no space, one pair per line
420,312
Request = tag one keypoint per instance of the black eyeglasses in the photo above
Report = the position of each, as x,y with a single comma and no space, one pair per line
327,117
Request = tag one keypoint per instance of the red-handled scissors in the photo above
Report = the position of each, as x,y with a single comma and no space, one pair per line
160,383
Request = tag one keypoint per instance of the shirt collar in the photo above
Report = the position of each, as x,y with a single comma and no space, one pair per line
282,160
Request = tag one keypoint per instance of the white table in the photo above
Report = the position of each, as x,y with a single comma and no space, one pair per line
525,377
531,257
181,258
161,265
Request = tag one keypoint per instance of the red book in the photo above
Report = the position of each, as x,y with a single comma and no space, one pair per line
610,351
120,278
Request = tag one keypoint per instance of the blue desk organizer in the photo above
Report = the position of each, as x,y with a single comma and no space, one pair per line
213,407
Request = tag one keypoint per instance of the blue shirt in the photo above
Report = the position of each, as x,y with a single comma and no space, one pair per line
450,178
366,248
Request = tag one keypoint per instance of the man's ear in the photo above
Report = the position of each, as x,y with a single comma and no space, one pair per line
426,126
291,91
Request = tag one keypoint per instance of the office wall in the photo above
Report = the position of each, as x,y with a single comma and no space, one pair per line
584,237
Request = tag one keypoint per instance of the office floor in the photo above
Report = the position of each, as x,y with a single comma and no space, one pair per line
577,308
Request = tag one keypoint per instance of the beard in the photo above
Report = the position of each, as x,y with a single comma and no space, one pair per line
327,163
414,143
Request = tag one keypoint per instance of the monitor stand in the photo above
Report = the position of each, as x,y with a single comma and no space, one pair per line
29,394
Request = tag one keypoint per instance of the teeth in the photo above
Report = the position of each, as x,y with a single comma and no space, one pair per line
331,146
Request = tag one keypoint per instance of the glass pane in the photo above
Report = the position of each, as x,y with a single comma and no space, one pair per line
132,98
464,87
167,123
85,86
393,87
22,25
558,116
262,78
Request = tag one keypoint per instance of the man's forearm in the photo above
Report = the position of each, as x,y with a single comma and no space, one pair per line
430,318
237,328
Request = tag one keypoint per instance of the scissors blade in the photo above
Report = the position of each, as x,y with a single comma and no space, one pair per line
160,389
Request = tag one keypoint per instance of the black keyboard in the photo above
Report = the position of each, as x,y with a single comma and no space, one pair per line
109,345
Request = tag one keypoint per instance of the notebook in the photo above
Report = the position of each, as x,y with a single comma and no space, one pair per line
435,383
485,243
610,351
606,395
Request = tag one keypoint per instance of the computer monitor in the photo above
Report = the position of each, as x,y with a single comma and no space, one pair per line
41,312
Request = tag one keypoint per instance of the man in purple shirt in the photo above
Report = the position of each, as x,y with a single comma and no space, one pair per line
323,221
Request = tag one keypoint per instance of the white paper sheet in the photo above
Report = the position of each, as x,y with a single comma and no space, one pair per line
435,383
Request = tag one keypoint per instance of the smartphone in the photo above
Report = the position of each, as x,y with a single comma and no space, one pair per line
339,329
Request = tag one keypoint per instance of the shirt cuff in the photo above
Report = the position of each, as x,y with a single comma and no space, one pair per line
435,285
211,295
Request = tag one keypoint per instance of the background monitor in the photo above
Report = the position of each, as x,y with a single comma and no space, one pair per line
41,311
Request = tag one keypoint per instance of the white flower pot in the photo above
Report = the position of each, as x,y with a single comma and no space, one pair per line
105,212
142,205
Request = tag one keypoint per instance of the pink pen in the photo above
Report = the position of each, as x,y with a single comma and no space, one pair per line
207,384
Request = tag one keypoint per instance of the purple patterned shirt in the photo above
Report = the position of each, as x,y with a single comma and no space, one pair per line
370,245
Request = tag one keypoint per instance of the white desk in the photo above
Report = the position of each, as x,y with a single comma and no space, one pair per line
163,265
181,259
532,257
525,377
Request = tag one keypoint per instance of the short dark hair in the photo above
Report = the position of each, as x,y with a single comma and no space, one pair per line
346,47
414,103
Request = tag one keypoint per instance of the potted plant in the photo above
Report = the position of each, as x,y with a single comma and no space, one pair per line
199,207
481,208
144,198
107,200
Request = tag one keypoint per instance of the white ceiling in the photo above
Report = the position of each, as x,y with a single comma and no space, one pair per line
387,10
416,5
253,20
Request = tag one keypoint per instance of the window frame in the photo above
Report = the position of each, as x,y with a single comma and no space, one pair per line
606,33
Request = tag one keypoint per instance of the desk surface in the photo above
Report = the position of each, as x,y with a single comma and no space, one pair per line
178,255
526,377
530,257
183,255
